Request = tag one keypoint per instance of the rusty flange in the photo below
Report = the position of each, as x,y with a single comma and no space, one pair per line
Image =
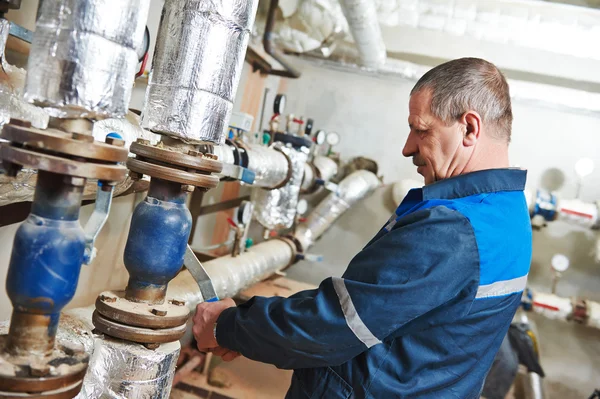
196,161
114,306
172,174
68,392
137,334
180,165
60,165
57,141
60,372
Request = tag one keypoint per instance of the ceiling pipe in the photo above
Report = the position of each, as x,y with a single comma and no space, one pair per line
364,26
270,48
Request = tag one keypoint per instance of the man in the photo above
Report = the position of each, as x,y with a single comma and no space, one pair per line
423,308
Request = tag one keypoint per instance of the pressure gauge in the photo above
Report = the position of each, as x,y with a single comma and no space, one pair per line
302,207
244,213
320,137
560,263
279,104
333,138
309,126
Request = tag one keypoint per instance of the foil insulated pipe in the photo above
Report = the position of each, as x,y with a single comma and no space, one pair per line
230,275
350,190
83,56
198,59
271,167
326,166
276,209
364,26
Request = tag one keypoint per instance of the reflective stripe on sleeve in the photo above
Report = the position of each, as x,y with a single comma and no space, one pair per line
353,320
501,288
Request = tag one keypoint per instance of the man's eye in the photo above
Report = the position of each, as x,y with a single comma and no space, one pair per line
420,131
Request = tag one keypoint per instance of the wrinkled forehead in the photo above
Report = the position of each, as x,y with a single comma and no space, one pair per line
419,108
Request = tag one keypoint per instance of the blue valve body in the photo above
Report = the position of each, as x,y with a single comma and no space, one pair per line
158,236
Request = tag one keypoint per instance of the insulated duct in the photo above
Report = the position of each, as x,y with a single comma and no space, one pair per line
364,26
230,275
276,209
198,59
353,188
83,56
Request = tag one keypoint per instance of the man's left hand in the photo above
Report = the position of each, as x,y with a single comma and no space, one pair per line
204,320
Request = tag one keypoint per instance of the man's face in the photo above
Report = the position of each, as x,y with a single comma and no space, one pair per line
434,146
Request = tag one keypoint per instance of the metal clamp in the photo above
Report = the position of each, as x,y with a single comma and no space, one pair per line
97,220
238,173
207,289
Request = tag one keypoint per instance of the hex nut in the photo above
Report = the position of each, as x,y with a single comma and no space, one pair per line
19,122
75,181
193,153
188,188
158,312
135,175
115,141
211,156
152,346
177,302
143,141
88,138
108,299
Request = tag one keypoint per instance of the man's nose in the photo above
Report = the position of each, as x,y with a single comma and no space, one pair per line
410,147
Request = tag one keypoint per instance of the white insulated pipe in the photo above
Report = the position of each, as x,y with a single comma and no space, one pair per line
230,275
364,26
559,308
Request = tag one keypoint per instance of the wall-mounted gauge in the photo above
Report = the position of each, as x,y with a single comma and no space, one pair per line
320,137
560,263
244,213
309,126
302,207
279,104
333,138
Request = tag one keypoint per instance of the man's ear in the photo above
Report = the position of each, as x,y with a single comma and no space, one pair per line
471,120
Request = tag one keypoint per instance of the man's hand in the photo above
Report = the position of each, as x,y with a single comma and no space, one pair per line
204,320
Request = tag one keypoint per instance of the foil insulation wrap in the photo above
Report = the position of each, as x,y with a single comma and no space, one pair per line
276,209
350,190
230,275
198,59
12,81
270,166
224,154
309,178
124,370
83,57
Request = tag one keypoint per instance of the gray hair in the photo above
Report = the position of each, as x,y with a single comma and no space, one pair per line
469,84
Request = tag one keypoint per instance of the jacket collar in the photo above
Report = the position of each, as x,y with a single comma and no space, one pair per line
483,181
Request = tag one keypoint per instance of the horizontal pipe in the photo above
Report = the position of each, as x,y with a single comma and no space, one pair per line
230,275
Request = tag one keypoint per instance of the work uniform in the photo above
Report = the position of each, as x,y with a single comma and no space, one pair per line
420,312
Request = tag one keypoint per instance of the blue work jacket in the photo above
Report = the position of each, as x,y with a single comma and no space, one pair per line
420,312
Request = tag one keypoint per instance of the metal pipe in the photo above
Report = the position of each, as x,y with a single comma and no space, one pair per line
350,190
269,46
364,26
83,56
196,68
231,275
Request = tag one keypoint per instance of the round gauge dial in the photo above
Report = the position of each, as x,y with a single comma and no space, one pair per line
560,263
279,104
244,214
302,207
333,138
320,137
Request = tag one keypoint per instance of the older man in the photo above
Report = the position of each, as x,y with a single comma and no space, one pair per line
422,309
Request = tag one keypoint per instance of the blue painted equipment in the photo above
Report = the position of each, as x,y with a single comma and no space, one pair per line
160,228
45,263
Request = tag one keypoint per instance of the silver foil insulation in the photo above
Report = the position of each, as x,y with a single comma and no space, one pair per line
350,190
276,209
83,56
197,63
270,166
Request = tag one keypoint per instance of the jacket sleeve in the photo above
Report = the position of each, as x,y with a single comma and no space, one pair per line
428,260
